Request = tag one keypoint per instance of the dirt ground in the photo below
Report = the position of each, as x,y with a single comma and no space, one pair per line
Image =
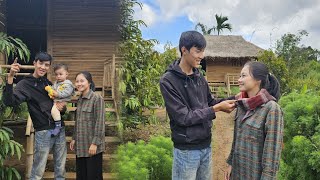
221,142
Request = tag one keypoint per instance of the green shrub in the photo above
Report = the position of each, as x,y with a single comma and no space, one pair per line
234,90
222,92
8,148
301,153
143,160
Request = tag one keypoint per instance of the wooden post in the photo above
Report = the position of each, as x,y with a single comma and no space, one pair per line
49,34
113,71
29,148
228,84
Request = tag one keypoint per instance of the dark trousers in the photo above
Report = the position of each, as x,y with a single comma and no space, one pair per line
89,168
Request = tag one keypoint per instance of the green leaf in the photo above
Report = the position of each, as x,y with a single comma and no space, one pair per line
16,173
18,151
11,147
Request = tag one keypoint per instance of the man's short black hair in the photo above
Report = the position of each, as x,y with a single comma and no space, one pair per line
191,39
43,56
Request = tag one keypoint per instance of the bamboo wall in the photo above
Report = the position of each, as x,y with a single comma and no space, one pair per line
217,69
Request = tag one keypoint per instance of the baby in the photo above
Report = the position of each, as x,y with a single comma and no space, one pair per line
62,90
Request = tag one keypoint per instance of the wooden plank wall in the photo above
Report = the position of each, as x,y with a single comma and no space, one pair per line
217,72
83,34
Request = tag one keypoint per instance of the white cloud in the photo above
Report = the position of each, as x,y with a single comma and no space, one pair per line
147,14
262,22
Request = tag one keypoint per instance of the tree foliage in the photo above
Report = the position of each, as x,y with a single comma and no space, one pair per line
142,68
11,46
302,63
295,54
277,67
204,29
301,153
9,147
221,23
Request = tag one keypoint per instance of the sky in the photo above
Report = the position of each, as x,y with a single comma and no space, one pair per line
261,22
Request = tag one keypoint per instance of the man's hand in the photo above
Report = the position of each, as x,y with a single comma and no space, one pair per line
225,106
61,105
15,68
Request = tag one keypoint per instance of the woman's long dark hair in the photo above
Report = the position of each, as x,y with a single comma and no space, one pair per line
259,71
88,76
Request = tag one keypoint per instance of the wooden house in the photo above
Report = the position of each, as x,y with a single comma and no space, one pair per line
225,57
80,33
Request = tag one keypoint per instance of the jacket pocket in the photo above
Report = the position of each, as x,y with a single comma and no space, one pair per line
178,137
88,119
254,130
198,132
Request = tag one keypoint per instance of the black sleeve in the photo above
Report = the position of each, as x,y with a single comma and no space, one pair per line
14,97
179,111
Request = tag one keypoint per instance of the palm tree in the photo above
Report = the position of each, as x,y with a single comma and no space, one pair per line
221,24
204,29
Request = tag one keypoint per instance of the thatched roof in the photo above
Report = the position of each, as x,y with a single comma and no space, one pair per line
230,46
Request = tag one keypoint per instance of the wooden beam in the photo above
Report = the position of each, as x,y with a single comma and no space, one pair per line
22,66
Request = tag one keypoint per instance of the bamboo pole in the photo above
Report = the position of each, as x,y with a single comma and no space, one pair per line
29,148
29,155
21,67
20,74
29,125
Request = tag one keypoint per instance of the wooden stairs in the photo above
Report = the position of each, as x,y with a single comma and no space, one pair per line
112,136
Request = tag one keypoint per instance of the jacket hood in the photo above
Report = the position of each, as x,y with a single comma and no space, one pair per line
175,68
193,79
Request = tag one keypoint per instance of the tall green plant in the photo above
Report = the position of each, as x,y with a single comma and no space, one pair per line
9,147
141,69
13,46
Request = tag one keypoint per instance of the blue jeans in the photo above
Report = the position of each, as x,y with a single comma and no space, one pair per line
43,144
192,164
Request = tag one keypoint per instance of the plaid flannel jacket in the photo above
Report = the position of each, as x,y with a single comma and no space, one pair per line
257,142
90,124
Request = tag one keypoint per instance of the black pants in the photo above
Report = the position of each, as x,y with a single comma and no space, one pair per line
89,168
